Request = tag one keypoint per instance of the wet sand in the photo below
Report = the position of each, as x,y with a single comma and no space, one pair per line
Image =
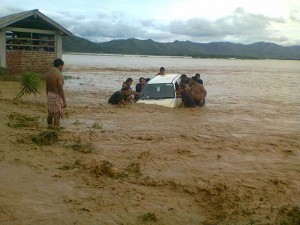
233,163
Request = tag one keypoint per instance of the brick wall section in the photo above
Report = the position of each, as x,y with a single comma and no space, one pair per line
18,62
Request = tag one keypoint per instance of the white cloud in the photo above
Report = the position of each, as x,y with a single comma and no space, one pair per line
295,15
241,21
241,25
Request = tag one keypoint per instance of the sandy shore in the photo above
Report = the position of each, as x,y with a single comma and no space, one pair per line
142,164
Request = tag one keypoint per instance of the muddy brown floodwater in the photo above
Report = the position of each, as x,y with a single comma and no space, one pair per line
234,161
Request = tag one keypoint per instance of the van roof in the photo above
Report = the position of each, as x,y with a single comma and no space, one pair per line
161,79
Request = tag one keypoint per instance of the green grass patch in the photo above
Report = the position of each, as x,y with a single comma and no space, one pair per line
6,77
47,137
77,122
82,147
17,120
97,125
149,217
288,215
134,169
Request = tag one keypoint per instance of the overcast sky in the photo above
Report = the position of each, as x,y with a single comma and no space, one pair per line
238,21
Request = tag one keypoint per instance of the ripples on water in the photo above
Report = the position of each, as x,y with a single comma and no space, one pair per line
265,92
225,79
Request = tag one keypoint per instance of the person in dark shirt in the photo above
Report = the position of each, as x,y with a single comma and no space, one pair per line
139,86
120,97
200,81
187,98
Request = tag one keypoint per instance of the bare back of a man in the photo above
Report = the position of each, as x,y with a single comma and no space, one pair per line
198,91
55,93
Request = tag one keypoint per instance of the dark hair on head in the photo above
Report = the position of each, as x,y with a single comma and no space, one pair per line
147,79
183,76
162,69
142,78
58,62
197,75
195,78
125,89
129,79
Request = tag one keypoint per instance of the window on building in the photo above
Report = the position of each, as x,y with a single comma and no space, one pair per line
23,41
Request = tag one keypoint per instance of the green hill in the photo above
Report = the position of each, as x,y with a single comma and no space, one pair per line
259,50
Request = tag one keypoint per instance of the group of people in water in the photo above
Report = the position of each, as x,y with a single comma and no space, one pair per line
126,94
190,89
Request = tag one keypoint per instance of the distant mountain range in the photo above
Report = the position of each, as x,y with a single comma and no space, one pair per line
259,50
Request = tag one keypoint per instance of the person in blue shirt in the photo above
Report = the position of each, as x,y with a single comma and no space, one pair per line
139,87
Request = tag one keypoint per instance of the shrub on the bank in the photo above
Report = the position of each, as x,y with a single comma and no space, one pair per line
30,82
46,137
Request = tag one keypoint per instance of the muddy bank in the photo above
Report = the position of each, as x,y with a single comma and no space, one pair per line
228,163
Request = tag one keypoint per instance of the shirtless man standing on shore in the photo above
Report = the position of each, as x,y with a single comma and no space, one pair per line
55,93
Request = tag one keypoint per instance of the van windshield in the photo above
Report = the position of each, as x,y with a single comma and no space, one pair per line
158,91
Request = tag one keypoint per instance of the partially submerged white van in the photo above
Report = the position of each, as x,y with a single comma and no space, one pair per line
161,90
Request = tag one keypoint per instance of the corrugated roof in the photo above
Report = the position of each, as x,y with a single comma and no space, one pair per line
17,18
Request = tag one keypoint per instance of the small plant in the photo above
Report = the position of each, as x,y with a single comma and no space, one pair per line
253,222
68,77
106,168
84,148
30,82
135,169
17,120
288,215
97,125
46,137
149,217
77,122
